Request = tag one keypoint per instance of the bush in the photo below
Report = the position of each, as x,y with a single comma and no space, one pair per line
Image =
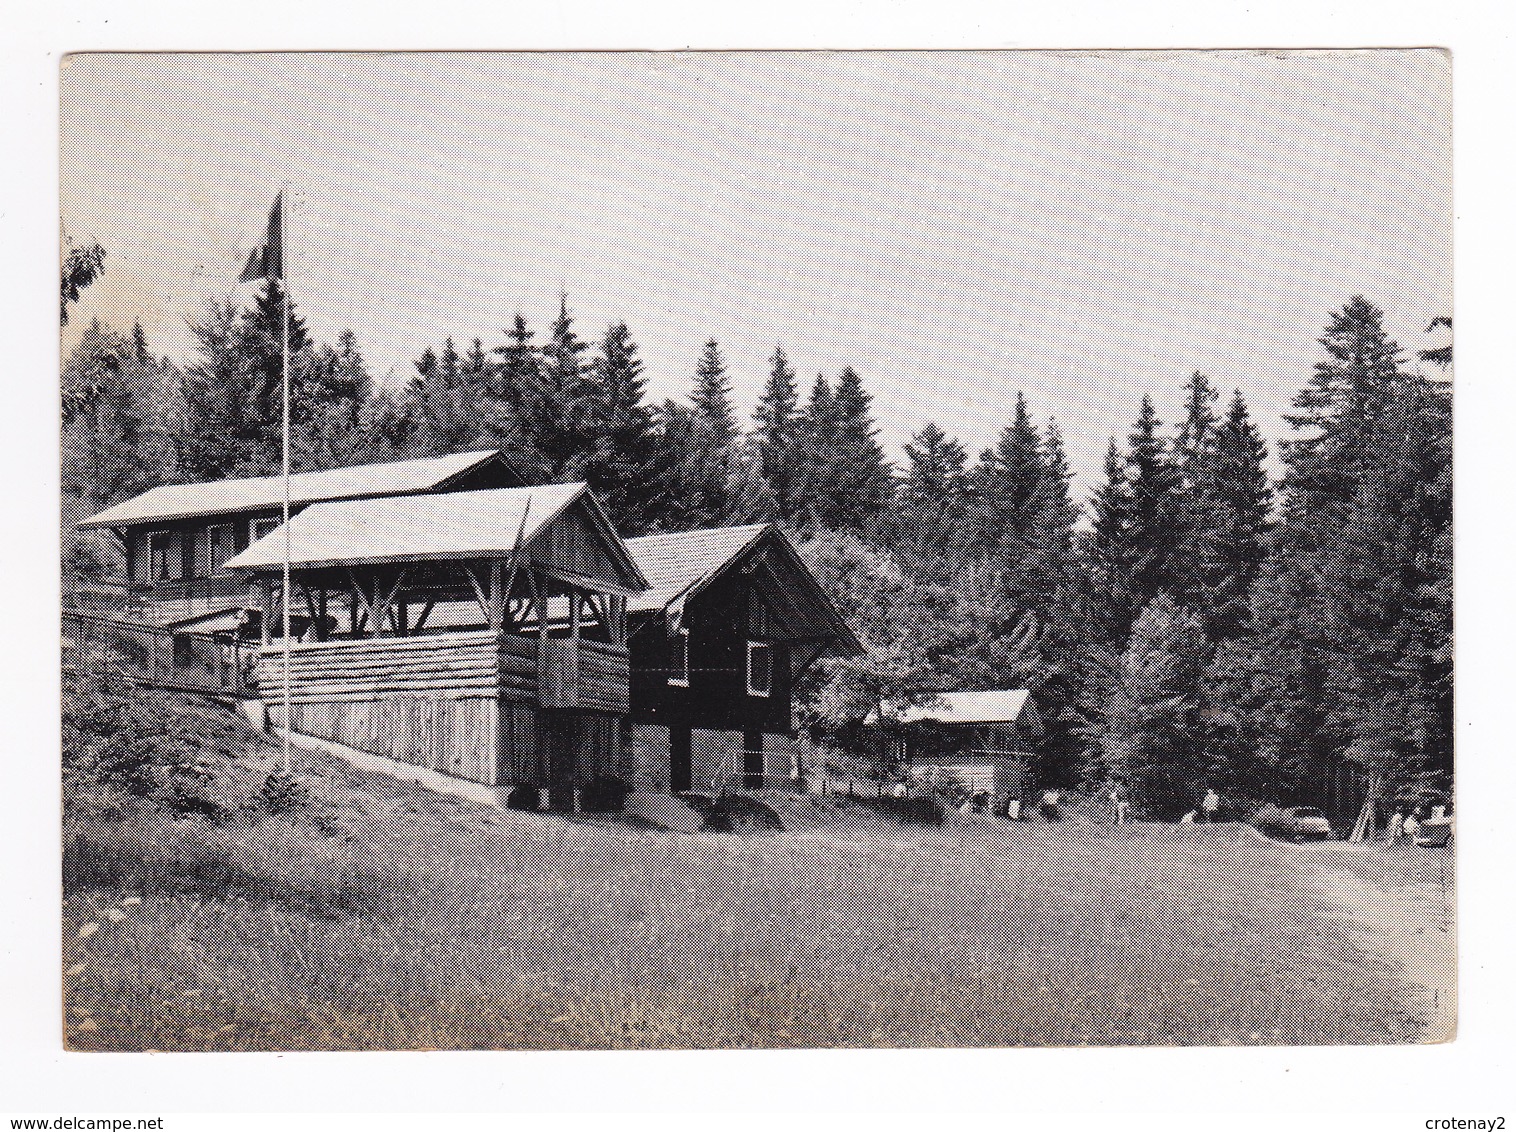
916,809
122,743
732,812
282,793
604,795
523,797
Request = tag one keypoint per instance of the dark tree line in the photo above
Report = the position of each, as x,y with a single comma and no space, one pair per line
1193,624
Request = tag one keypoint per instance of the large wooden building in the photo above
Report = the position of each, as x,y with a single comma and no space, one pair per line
537,695
177,539
732,617
448,617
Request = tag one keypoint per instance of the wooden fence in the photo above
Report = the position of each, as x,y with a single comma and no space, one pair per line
165,658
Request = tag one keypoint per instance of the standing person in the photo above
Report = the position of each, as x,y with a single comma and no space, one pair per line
1123,810
1050,800
1211,805
1013,808
1114,797
1412,825
1393,829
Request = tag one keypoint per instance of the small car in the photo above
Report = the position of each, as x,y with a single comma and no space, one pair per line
1307,823
1435,833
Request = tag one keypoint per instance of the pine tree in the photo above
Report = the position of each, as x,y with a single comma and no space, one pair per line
559,409
1109,552
936,477
1196,437
1150,734
517,388
1225,541
620,466
1004,483
774,434
863,484
1154,496
712,396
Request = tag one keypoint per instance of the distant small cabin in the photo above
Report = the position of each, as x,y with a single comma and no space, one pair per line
178,539
982,742
525,683
731,619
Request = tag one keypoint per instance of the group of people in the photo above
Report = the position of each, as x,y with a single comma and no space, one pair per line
1404,826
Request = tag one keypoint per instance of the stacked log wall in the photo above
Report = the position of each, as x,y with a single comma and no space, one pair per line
431,701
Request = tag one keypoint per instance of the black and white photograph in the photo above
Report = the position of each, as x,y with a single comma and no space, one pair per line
734,550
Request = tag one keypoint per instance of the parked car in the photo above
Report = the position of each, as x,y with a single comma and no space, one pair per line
1435,832
1307,823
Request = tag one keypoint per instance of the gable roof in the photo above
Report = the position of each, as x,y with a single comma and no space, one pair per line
411,528
364,481
679,566
1009,706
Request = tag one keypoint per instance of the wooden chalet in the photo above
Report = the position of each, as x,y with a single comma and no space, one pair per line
979,741
730,620
178,539
523,677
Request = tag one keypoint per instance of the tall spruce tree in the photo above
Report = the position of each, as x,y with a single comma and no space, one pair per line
1005,481
621,466
712,396
1109,552
774,434
1154,500
1224,537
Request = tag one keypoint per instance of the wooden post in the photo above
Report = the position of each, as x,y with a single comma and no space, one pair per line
321,633
266,607
497,596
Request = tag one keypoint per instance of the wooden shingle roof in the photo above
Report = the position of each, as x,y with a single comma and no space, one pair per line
679,566
365,481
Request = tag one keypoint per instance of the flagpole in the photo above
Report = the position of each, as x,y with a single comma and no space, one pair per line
289,722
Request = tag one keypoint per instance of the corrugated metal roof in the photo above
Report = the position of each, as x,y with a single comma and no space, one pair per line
674,564
971,707
183,501
464,524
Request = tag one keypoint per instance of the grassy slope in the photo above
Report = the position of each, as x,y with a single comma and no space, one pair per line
387,917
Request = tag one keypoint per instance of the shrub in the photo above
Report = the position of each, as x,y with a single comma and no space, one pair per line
525,796
605,794
731,812
916,809
282,793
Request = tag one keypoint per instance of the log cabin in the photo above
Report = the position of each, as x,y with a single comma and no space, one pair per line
530,688
731,619
177,539
978,742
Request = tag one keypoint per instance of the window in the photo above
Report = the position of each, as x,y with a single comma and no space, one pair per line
262,527
757,615
165,556
679,659
220,544
760,668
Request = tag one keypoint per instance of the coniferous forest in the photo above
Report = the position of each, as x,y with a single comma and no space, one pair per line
1197,618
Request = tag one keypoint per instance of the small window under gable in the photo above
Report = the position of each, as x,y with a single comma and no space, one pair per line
760,668
759,620
261,527
679,659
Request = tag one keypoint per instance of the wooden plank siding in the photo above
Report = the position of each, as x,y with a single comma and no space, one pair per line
465,704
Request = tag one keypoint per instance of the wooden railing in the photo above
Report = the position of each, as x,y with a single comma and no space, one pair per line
149,654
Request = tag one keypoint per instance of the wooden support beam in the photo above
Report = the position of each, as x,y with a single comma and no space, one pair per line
425,610
496,608
479,595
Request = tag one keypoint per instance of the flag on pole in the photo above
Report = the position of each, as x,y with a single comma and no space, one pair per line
267,260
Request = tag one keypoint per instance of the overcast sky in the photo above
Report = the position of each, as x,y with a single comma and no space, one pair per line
956,226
